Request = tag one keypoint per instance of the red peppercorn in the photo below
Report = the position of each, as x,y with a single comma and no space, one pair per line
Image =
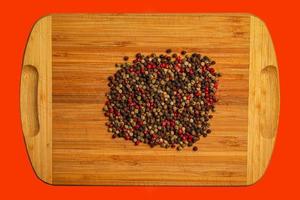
216,85
178,59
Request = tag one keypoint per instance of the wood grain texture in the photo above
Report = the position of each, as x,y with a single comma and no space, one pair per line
85,47
36,98
264,100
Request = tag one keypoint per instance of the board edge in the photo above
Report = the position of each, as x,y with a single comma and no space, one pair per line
263,112
38,56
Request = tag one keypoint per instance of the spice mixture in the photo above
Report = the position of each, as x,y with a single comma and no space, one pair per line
163,100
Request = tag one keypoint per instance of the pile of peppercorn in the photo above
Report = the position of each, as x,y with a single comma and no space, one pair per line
163,100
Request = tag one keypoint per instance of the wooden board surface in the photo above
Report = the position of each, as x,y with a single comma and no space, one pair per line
84,50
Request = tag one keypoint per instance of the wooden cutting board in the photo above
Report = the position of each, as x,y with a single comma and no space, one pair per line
64,78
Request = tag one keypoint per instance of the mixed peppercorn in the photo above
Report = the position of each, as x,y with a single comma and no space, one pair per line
163,100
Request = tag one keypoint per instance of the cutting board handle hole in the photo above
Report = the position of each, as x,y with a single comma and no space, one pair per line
269,90
29,100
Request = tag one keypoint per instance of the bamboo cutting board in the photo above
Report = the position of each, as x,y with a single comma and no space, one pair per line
66,64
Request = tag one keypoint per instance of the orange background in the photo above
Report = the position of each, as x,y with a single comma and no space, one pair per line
17,177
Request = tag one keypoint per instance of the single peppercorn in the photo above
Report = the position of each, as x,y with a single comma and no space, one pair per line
138,55
168,51
183,52
125,58
195,148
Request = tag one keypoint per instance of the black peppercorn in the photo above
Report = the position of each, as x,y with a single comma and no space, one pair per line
138,55
183,52
168,51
